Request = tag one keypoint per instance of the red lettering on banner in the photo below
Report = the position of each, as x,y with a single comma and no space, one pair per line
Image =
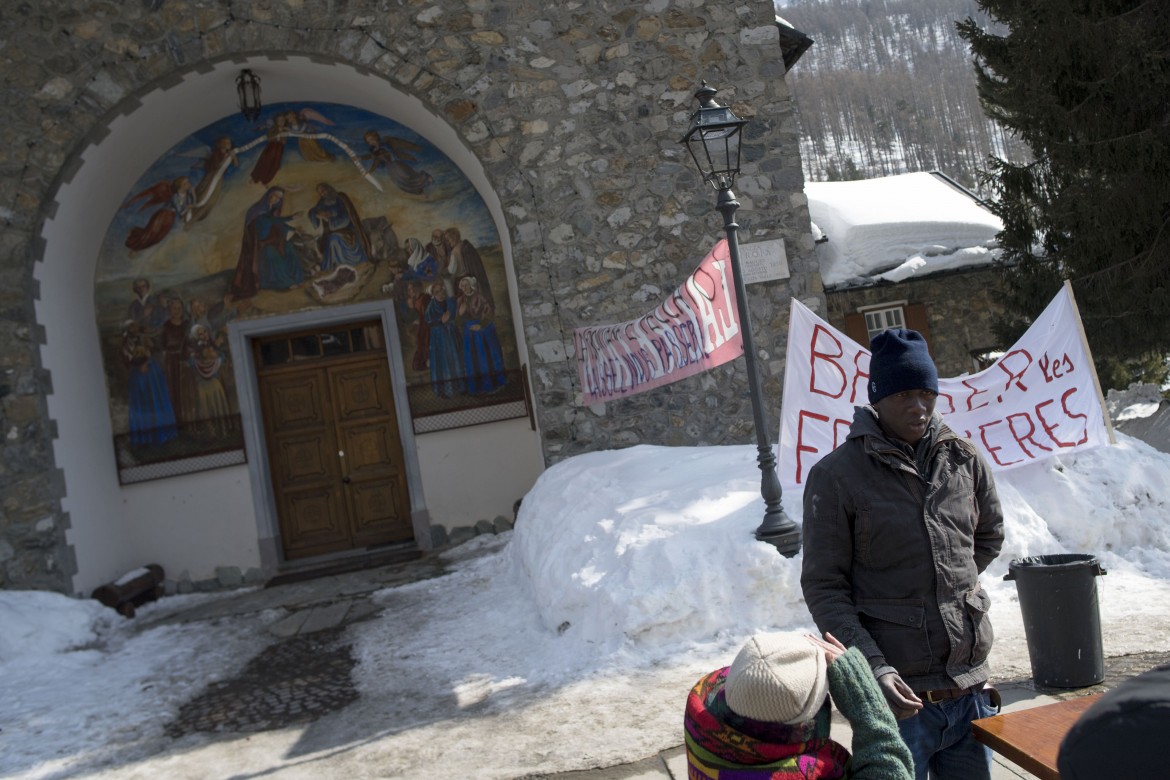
1050,428
838,424
1055,369
1014,377
857,374
1026,437
800,445
991,449
816,355
949,404
971,397
1064,405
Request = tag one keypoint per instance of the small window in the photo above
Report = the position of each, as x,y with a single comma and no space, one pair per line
334,342
877,320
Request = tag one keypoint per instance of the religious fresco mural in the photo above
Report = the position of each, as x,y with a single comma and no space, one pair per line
310,205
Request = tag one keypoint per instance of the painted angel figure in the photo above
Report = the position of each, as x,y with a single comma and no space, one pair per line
303,123
220,157
393,154
268,163
176,199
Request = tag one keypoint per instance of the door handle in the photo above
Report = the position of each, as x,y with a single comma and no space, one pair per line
346,479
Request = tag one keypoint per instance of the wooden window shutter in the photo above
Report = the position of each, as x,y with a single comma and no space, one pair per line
915,314
856,330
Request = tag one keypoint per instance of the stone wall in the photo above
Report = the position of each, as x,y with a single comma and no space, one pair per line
960,309
575,109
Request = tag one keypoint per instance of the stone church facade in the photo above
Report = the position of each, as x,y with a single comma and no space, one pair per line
566,119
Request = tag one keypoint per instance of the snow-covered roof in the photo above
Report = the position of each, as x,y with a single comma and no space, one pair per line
897,227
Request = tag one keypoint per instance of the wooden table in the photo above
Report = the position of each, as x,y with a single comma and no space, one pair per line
1032,737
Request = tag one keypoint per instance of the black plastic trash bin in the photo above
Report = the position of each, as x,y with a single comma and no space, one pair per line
1062,620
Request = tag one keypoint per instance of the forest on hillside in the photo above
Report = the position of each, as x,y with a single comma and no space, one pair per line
888,87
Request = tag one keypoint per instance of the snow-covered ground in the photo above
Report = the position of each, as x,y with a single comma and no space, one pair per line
568,643
573,641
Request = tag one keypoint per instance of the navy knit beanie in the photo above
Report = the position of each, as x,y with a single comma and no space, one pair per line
900,361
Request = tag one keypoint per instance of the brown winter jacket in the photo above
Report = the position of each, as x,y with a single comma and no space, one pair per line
892,561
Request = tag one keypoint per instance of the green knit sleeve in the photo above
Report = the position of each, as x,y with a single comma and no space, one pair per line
878,750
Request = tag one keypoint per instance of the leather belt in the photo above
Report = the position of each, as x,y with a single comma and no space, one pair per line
946,694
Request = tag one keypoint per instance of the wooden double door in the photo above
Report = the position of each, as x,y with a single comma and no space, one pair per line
334,450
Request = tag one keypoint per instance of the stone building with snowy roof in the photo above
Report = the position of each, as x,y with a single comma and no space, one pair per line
914,250
235,342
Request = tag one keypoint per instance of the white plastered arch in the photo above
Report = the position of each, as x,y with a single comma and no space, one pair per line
114,528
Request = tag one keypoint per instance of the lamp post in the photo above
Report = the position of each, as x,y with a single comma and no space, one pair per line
713,141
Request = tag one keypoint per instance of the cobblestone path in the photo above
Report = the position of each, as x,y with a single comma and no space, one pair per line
297,680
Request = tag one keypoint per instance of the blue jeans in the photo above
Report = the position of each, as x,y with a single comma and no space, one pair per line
941,742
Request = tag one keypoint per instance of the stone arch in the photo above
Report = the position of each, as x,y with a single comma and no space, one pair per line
103,516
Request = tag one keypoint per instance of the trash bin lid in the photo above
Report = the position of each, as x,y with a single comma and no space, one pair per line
1059,559
1053,564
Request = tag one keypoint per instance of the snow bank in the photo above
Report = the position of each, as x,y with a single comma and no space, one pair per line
37,623
645,548
652,545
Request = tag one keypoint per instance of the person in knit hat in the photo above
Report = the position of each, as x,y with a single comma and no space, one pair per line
899,522
767,715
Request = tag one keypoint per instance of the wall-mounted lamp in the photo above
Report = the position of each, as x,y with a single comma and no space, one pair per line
248,94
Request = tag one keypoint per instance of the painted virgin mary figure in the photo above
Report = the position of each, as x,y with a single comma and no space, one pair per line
268,260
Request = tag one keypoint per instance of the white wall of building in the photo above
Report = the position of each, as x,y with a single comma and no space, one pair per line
472,474
193,523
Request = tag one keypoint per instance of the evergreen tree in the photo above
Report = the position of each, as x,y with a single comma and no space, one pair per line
1086,85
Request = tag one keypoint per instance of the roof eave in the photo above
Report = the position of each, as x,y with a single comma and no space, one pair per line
793,43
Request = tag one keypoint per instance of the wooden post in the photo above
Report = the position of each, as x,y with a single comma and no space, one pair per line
1092,367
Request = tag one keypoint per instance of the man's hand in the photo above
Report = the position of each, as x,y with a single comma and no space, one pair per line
903,702
833,648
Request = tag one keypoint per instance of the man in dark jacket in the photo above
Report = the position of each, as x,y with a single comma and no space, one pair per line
899,521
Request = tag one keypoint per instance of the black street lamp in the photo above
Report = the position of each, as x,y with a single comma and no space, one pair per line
713,142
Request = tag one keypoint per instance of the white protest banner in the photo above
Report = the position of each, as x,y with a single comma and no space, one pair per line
693,330
1038,400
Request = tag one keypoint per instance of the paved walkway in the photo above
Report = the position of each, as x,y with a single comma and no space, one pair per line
305,673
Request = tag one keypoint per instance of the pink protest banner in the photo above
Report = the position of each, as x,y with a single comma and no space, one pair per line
1040,399
693,330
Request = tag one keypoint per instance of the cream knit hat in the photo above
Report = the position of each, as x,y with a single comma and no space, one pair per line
779,678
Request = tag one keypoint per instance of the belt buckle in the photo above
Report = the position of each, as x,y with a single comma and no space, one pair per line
930,697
